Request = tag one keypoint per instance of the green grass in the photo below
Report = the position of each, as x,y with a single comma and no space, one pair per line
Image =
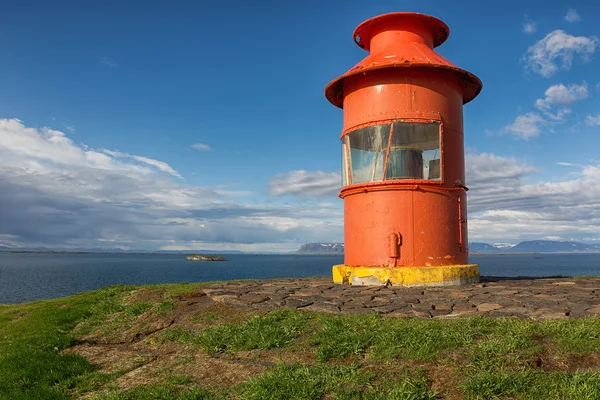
159,392
32,336
165,307
355,357
341,336
137,309
31,365
276,329
338,382
426,339
579,336
529,384
208,316
418,339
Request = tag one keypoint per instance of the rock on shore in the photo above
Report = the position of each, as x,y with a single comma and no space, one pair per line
203,257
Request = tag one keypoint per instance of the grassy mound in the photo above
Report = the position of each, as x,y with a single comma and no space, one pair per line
173,342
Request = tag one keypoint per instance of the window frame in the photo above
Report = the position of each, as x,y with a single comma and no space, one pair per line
384,181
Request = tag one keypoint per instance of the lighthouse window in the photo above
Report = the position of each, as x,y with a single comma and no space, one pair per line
364,152
414,151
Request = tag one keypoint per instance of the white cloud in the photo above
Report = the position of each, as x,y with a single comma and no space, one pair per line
558,47
200,146
529,26
592,120
566,164
559,115
108,62
572,16
556,97
56,193
502,206
305,183
526,126
562,95
160,165
493,179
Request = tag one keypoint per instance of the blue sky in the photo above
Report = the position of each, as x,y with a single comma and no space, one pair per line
189,125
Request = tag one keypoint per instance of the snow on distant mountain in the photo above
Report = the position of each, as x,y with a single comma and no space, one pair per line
322,248
478,247
550,246
504,246
533,246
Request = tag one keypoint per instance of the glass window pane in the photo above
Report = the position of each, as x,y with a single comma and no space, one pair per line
414,151
367,153
345,161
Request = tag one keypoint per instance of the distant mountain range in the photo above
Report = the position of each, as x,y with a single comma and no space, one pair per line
322,248
533,246
113,250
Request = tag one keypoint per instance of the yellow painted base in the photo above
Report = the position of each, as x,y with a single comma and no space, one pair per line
448,275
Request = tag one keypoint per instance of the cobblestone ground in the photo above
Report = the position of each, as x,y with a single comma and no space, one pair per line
493,297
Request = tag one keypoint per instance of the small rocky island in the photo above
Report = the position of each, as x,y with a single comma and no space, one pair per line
204,257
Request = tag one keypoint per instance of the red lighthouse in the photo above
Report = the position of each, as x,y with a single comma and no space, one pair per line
405,209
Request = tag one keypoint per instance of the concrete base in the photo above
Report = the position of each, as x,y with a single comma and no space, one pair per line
447,275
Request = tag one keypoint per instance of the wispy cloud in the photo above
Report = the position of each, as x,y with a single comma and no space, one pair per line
566,164
305,183
572,16
526,126
108,62
557,48
160,165
201,147
592,120
529,26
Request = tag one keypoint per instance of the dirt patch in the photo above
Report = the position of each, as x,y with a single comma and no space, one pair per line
120,330
269,358
173,359
111,358
444,380
218,372
144,295
207,312
443,377
127,345
551,360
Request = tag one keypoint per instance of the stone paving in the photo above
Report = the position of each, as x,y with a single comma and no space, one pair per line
540,298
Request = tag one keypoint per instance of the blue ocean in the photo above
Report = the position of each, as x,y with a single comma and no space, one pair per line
35,276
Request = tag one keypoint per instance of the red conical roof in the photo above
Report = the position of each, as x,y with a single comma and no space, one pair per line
402,40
